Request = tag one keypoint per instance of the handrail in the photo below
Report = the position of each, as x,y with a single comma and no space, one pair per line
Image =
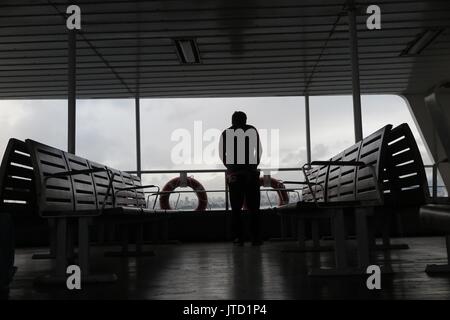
223,190
179,192
74,172
307,166
435,167
303,169
87,171
221,170
177,171
138,188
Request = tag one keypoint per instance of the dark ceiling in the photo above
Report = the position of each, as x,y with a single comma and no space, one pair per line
247,48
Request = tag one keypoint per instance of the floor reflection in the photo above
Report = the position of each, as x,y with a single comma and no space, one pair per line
222,271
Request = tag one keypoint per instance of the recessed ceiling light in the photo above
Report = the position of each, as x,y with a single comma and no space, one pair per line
187,51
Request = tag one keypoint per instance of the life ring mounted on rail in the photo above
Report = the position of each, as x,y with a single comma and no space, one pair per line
175,183
283,196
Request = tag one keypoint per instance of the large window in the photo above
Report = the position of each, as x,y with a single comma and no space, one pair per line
331,125
106,132
41,120
182,134
380,110
166,123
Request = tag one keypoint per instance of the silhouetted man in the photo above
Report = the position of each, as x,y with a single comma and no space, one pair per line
240,152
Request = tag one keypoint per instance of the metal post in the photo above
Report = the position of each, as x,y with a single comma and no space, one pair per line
355,72
71,92
138,136
83,246
308,130
434,185
61,247
64,226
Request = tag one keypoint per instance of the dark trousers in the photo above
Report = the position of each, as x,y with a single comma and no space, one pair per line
244,187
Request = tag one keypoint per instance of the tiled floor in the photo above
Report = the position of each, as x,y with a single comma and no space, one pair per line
221,271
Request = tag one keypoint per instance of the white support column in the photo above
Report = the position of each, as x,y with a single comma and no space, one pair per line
138,136
355,71
71,90
308,130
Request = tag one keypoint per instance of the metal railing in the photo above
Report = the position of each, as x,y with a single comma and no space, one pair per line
433,188
179,192
434,178
265,171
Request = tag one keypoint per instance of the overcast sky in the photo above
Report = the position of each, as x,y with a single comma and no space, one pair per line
106,131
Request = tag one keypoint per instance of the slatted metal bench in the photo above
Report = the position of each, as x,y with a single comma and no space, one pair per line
376,177
37,180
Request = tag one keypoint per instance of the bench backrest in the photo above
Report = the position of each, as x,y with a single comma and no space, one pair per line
317,176
70,195
404,179
396,162
17,180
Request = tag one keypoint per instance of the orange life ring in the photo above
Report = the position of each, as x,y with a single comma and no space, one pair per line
283,196
192,183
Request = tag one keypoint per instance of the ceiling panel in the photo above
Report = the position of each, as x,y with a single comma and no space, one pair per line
247,48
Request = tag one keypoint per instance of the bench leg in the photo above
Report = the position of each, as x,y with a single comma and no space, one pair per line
283,233
302,247
125,242
362,237
339,241
159,229
340,251
101,234
52,243
58,275
83,255
315,233
83,245
301,237
445,268
386,234
139,243
61,247
292,226
165,229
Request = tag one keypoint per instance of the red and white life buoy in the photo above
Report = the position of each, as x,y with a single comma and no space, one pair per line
283,196
192,183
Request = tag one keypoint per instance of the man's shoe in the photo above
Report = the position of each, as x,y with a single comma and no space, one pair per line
238,242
